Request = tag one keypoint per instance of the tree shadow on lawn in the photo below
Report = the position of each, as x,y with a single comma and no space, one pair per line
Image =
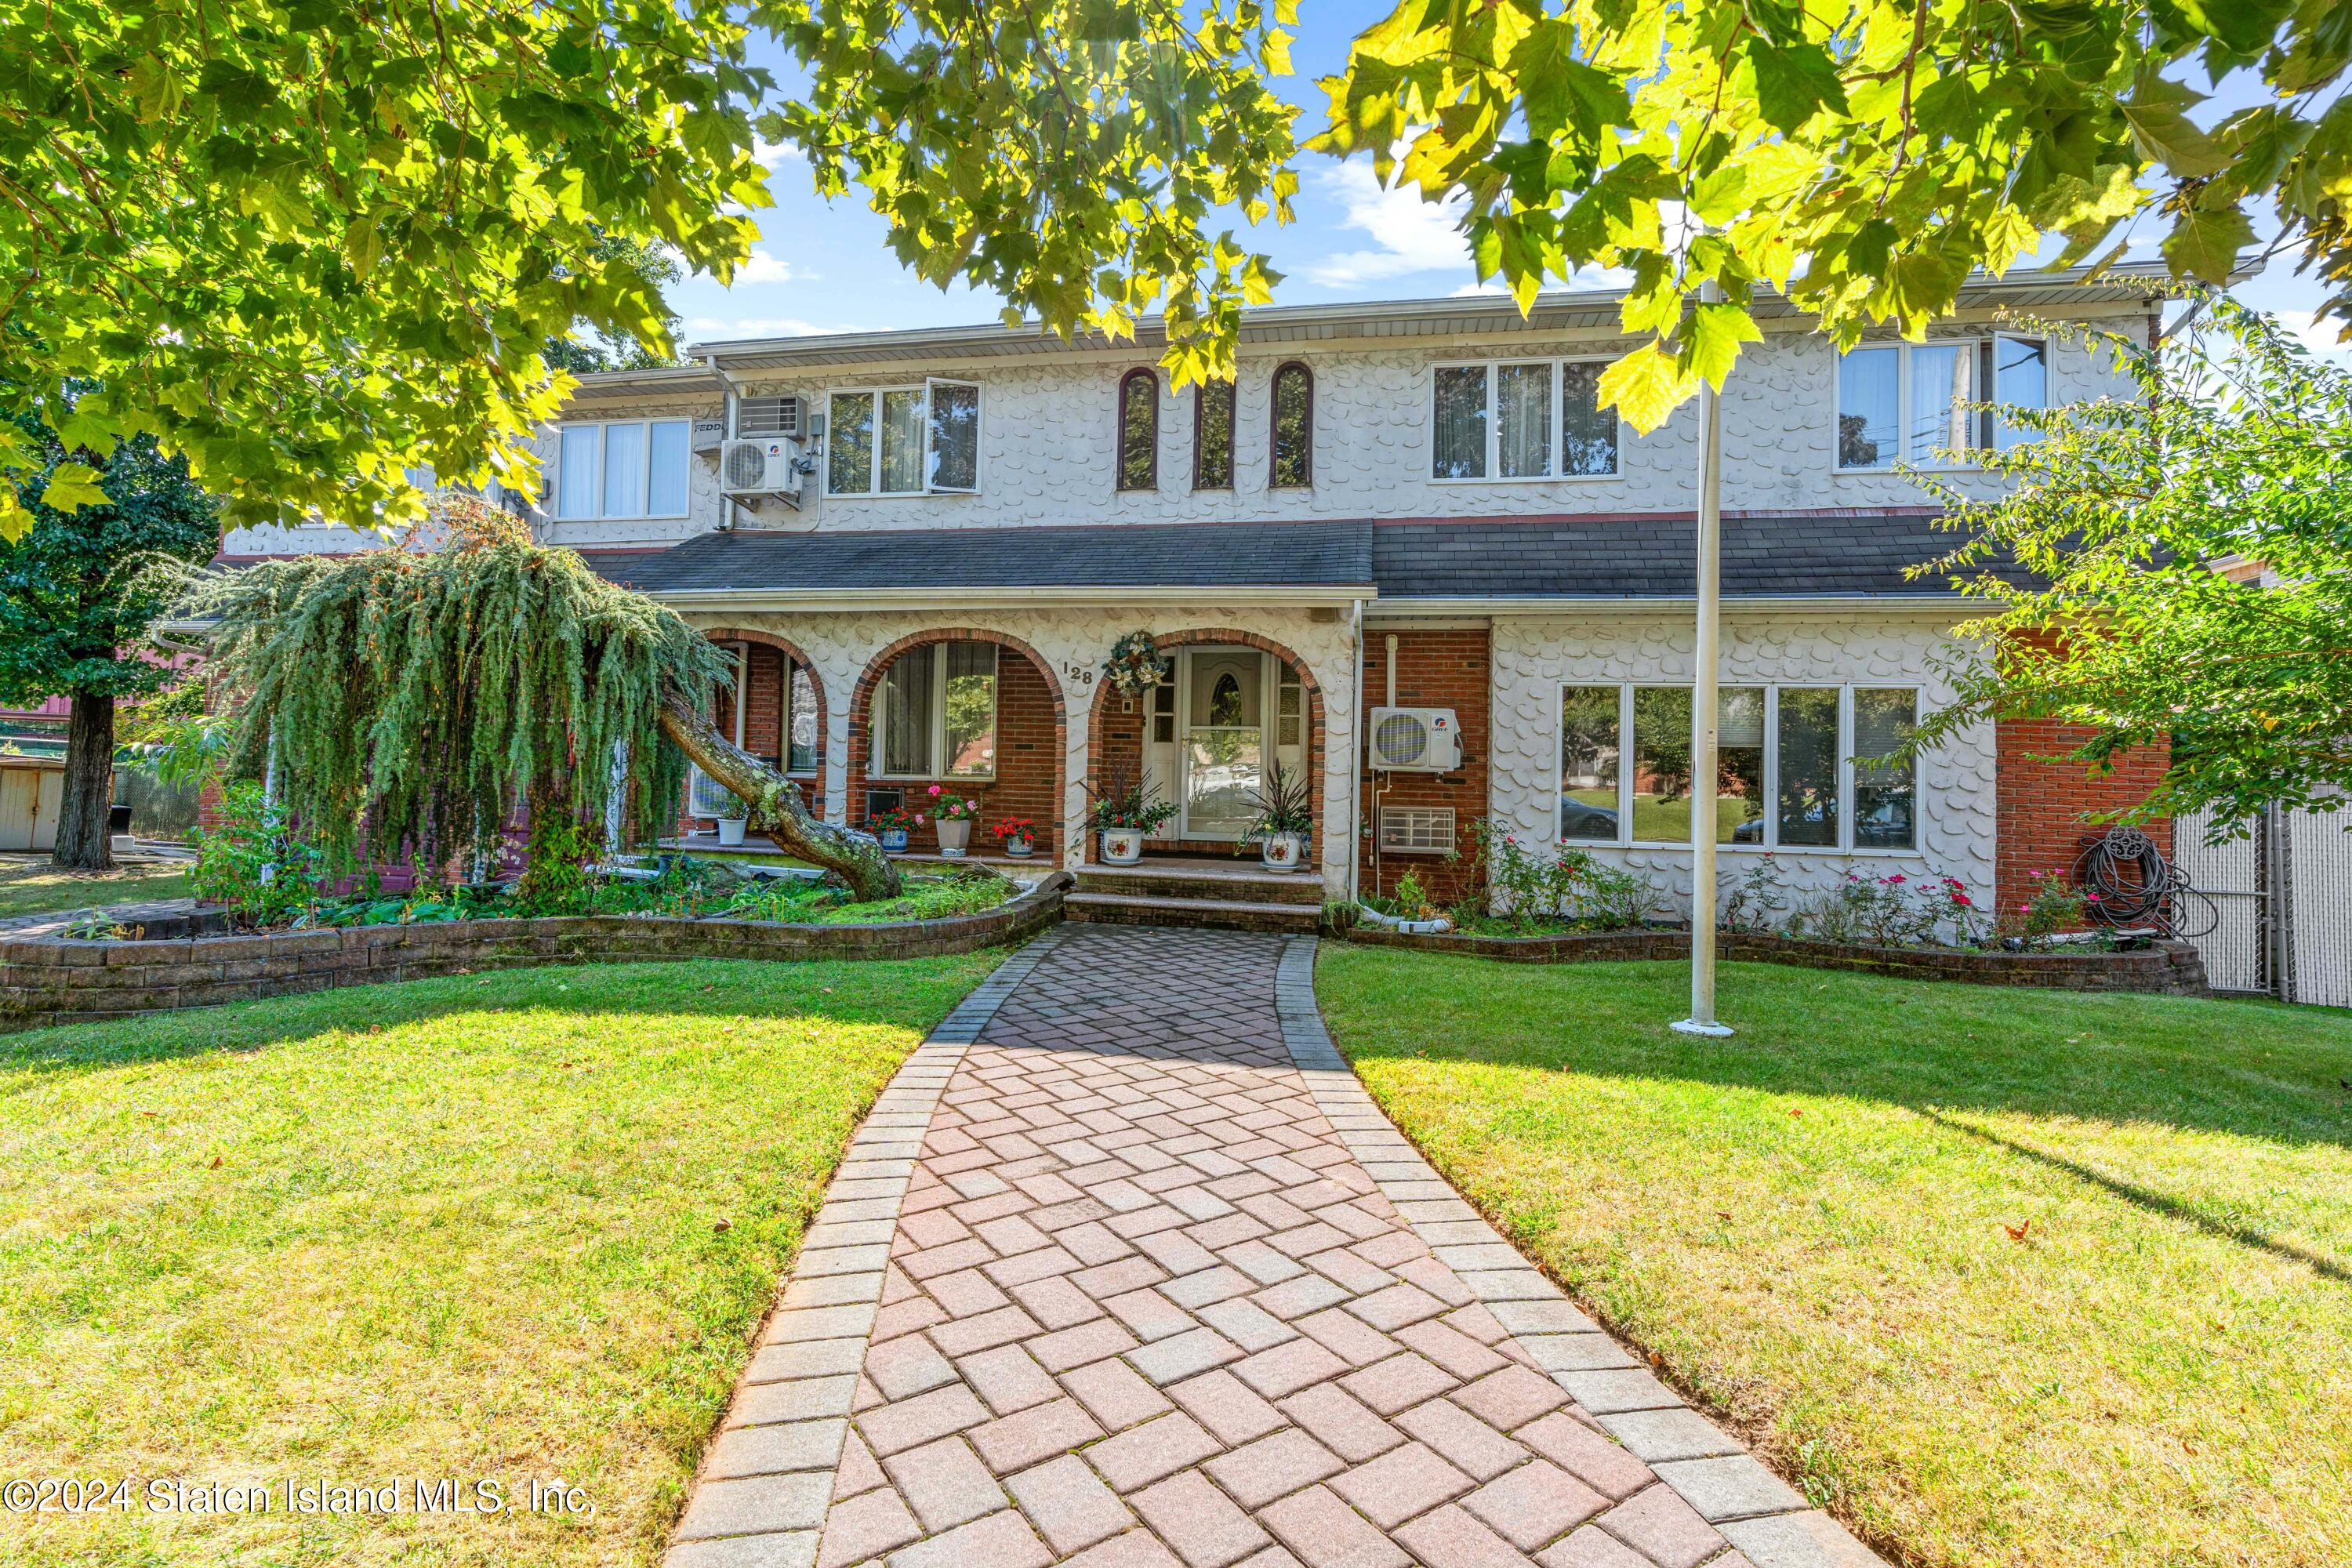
2244,1068
914,994
1948,1053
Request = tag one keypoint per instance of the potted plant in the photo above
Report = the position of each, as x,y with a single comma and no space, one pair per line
953,815
1018,836
1286,816
1125,814
894,827
731,828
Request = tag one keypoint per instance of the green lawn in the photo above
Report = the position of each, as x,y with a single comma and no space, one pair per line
2001,1278
468,1227
32,887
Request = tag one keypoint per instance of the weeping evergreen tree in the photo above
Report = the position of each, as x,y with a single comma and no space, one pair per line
406,699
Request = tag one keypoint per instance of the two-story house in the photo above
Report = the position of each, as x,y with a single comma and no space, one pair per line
1415,505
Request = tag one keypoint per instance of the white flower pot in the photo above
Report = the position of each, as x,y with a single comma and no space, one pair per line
1122,846
955,835
730,832
1282,851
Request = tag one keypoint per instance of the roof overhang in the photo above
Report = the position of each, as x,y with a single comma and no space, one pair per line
1555,311
1939,606
1315,597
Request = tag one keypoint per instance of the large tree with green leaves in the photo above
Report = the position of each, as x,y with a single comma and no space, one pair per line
308,243
78,593
2189,559
408,700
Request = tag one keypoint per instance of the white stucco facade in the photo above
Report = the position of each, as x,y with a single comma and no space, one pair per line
1535,657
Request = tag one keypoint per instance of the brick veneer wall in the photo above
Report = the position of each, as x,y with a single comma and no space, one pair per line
2168,969
1028,750
51,981
1434,669
2042,803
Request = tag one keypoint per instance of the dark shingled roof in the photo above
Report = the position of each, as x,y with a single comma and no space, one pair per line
1655,557
1181,555
1607,557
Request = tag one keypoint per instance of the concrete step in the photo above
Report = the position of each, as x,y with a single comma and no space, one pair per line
1218,914
1236,884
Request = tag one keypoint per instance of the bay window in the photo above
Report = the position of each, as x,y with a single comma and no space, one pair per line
1796,767
1927,402
934,713
903,440
1531,419
622,469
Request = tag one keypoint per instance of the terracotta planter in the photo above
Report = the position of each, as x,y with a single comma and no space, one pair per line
955,835
1282,851
1122,846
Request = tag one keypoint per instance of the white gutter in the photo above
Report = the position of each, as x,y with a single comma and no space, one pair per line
1000,598
1415,609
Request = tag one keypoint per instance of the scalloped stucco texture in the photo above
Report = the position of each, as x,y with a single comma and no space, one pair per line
1535,657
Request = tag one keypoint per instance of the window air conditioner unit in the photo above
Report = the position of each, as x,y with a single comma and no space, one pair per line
761,466
1415,740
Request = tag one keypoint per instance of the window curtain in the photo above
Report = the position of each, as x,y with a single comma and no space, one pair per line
1523,420
903,715
1460,438
902,442
1942,385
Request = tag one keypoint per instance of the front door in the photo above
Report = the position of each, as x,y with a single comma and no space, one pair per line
1220,753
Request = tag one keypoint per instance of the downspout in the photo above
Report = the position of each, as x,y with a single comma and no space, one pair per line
726,502
1355,763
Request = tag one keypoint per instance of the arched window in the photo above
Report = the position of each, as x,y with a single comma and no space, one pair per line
1293,446
1213,435
1139,431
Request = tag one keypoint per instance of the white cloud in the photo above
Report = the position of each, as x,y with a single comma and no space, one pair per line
771,153
2318,336
720,327
764,267
1414,236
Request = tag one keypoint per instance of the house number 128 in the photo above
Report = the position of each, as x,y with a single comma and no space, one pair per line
1079,674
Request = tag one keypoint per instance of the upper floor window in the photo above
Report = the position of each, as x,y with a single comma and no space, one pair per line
1917,402
1139,431
903,440
635,468
1797,767
1213,435
1497,420
1293,446
934,713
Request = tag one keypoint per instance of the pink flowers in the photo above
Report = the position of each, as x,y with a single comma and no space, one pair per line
935,791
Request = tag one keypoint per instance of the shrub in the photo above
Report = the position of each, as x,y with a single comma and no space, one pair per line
254,861
1529,892
1893,910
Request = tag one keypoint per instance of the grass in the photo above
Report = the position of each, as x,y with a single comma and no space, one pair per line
32,887
468,1227
2001,1278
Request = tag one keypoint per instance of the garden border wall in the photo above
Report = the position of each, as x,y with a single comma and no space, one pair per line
50,980
2170,969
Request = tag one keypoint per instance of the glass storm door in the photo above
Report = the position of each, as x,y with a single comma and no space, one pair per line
1221,694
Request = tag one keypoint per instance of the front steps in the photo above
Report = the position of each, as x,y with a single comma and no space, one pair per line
1215,895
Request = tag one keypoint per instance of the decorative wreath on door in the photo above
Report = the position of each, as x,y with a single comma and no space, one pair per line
1136,664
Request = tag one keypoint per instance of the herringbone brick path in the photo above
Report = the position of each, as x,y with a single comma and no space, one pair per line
1143,1307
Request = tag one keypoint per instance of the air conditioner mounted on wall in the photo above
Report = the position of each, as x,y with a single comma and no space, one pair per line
1415,740
761,466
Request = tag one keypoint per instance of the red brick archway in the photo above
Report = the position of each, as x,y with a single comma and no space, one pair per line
793,654
1030,714
1102,722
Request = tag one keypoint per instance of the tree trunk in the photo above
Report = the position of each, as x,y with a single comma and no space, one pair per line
84,843
775,806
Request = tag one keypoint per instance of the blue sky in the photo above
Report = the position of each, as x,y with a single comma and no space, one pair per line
823,266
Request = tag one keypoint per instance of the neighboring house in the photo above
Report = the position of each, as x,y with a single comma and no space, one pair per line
1414,504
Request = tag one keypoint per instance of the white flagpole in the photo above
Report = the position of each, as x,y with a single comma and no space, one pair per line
1702,1019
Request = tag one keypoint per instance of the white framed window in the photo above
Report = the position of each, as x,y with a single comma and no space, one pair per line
1919,403
621,468
1521,419
934,713
903,440
1799,766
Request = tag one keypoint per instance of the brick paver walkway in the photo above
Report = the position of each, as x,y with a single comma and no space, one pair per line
1160,1287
